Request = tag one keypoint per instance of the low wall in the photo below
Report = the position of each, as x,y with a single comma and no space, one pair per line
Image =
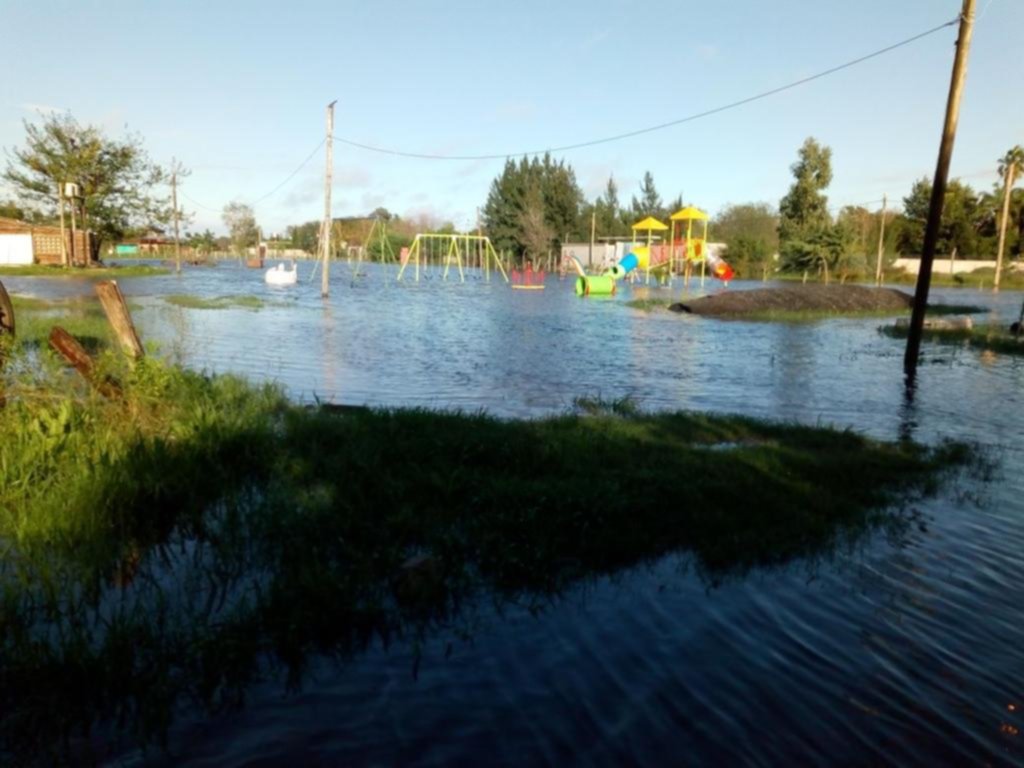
941,266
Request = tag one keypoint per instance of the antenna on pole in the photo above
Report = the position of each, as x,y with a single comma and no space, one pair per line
325,227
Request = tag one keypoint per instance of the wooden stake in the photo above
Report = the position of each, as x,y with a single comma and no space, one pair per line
67,346
931,233
120,319
325,229
881,244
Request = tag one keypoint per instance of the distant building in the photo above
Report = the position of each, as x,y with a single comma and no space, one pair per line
24,243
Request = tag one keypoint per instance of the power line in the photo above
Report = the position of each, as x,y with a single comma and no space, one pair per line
258,200
660,126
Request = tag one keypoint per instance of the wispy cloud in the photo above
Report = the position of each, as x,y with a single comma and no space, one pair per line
515,110
594,39
40,109
706,51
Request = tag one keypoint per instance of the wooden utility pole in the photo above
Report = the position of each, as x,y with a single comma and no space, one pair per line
174,203
931,232
881,244
1003,219
325,228
593,231
74,236
63,233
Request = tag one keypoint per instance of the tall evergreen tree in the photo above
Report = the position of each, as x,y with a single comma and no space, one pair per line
649,203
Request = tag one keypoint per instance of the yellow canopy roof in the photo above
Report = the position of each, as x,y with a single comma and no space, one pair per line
650,223
689,212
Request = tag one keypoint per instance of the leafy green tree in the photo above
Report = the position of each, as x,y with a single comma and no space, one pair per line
304,236
807,237
966,225
750,232
241,224
115,177
203,243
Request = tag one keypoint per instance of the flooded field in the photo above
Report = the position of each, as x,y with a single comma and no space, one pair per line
901,647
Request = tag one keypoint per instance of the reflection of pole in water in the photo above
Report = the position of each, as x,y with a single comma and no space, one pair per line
328,357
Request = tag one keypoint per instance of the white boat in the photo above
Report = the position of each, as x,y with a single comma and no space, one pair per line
280,276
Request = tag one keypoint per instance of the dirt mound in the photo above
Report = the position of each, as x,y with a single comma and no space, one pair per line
838,299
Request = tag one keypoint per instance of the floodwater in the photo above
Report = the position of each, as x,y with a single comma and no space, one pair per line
904,649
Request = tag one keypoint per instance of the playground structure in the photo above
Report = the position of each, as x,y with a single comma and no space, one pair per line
652,258
433,248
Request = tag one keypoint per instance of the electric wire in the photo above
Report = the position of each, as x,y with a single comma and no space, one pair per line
659,126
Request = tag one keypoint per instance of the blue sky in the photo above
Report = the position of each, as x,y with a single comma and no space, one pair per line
238,93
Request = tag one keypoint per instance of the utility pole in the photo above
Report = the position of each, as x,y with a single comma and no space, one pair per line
74,235
63,234
325,228
1007,191
931,233
881,244
174,204
593,231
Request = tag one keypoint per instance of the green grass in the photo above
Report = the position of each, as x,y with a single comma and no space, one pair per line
83,318
810,316
990,338
105,273
647,305
167,546
189,301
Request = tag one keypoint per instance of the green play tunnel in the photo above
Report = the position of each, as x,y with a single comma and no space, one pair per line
597,285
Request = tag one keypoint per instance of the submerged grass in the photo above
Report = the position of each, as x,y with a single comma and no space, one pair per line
190,301
989,338
167,545
105,273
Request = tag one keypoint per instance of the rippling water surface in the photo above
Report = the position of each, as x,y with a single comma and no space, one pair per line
905,648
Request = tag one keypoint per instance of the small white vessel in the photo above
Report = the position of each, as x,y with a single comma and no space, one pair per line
280,276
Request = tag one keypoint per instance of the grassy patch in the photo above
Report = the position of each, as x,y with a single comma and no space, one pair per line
646,305
104,273
81,317
165,547
811,316
189,301
990,338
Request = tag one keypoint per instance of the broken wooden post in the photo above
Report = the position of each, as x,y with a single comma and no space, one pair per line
6,333
120,319
6,313
67,346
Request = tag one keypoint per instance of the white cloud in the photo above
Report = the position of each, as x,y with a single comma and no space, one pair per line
41,109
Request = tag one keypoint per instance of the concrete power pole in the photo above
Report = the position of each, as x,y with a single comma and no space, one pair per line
881,244
325,228
931,233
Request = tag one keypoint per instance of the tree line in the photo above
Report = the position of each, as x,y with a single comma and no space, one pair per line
533,206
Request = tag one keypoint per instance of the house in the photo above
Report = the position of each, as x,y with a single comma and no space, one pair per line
24,243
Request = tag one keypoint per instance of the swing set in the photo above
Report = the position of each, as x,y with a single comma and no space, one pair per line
431,248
